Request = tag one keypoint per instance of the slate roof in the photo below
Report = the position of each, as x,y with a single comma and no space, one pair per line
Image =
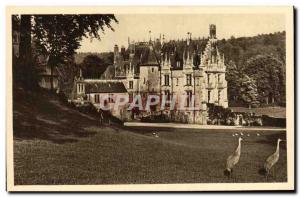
105,87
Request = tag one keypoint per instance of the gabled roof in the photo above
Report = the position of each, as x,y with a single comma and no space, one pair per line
105,87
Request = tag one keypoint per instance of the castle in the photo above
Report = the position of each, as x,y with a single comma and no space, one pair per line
191,67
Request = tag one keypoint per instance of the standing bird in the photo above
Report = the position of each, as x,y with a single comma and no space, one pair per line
271,161
233,159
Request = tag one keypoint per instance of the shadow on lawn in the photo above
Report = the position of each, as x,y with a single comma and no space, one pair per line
43,116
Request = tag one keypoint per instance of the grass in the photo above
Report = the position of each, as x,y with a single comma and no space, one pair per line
277,112
57,145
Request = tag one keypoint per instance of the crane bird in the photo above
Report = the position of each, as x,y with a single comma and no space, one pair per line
271,160
233,159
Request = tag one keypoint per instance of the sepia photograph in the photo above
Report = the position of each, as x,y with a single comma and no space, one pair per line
150,98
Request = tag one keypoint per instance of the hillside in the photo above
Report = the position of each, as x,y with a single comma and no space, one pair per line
54,144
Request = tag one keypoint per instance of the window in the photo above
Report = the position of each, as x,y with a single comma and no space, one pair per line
130,84
188,98
144,80
208,79
188,79
97,100
110,98
80,87
166,80
177,80
152,69
197,81
167,97
130,97
208,96
219,95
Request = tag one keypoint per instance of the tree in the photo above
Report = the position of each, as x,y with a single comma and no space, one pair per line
248,91
93,66
59,36
232,77
268,73
66,75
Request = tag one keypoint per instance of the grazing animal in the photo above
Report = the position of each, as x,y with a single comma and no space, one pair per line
271,160
233,159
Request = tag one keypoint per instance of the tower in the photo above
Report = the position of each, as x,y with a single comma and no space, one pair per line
116,53
212,31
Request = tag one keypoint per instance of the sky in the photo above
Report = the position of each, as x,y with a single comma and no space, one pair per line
175,26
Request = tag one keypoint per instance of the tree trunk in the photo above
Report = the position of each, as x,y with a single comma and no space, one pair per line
51,65
25,51
51,77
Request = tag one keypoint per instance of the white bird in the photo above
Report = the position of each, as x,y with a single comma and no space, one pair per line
248,135
233,134
236,134
233,159
241,133
155,134
258,134
271,160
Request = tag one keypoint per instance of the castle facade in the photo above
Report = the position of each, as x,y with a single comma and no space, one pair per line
192,68
175,68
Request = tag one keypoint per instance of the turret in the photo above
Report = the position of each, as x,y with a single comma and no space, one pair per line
116,53
116,49
212,31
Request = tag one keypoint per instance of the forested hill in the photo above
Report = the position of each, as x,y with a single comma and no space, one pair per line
106,56
255,69
239,50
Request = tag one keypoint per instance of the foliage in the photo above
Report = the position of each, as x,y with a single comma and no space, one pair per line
59,36
248,91
108,57
66,76
260,57
93,66
268,73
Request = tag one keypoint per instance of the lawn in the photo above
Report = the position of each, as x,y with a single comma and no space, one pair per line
54,144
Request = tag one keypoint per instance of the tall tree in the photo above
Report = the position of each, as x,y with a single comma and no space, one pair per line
93,66
59,36
268,73
248,91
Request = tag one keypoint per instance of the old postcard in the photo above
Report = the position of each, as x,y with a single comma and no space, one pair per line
150,98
